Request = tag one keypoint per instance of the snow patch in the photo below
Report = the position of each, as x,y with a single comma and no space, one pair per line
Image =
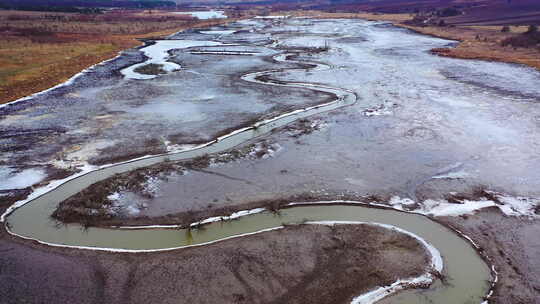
518,206
132,210
401,203
114,196
264,150
379,110
124,203
444,208
13,179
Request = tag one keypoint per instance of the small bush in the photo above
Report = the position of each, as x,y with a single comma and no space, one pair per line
448,12
531,38
505,29
533,29
151,69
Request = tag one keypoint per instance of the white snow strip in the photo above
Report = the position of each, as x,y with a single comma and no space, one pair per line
453,175
147,250
205,221
382,292
172,226
229,217
436,258
179,148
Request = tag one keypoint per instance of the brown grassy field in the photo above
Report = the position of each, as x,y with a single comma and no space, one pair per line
482,43
41,49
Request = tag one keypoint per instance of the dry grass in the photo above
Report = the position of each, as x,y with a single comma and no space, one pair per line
386,17
39,50
519,29
481,44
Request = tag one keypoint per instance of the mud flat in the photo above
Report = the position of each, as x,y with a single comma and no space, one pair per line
303,264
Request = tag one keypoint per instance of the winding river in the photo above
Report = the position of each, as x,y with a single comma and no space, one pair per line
467,274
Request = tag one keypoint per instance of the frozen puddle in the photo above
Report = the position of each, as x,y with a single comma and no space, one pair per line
158,54
220,33
224,53
205,14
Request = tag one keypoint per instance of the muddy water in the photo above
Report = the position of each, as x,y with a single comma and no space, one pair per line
467,274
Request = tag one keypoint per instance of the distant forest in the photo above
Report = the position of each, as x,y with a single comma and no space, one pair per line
84,6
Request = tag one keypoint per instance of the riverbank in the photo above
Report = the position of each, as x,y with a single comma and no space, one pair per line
513,248
33,59
297,264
